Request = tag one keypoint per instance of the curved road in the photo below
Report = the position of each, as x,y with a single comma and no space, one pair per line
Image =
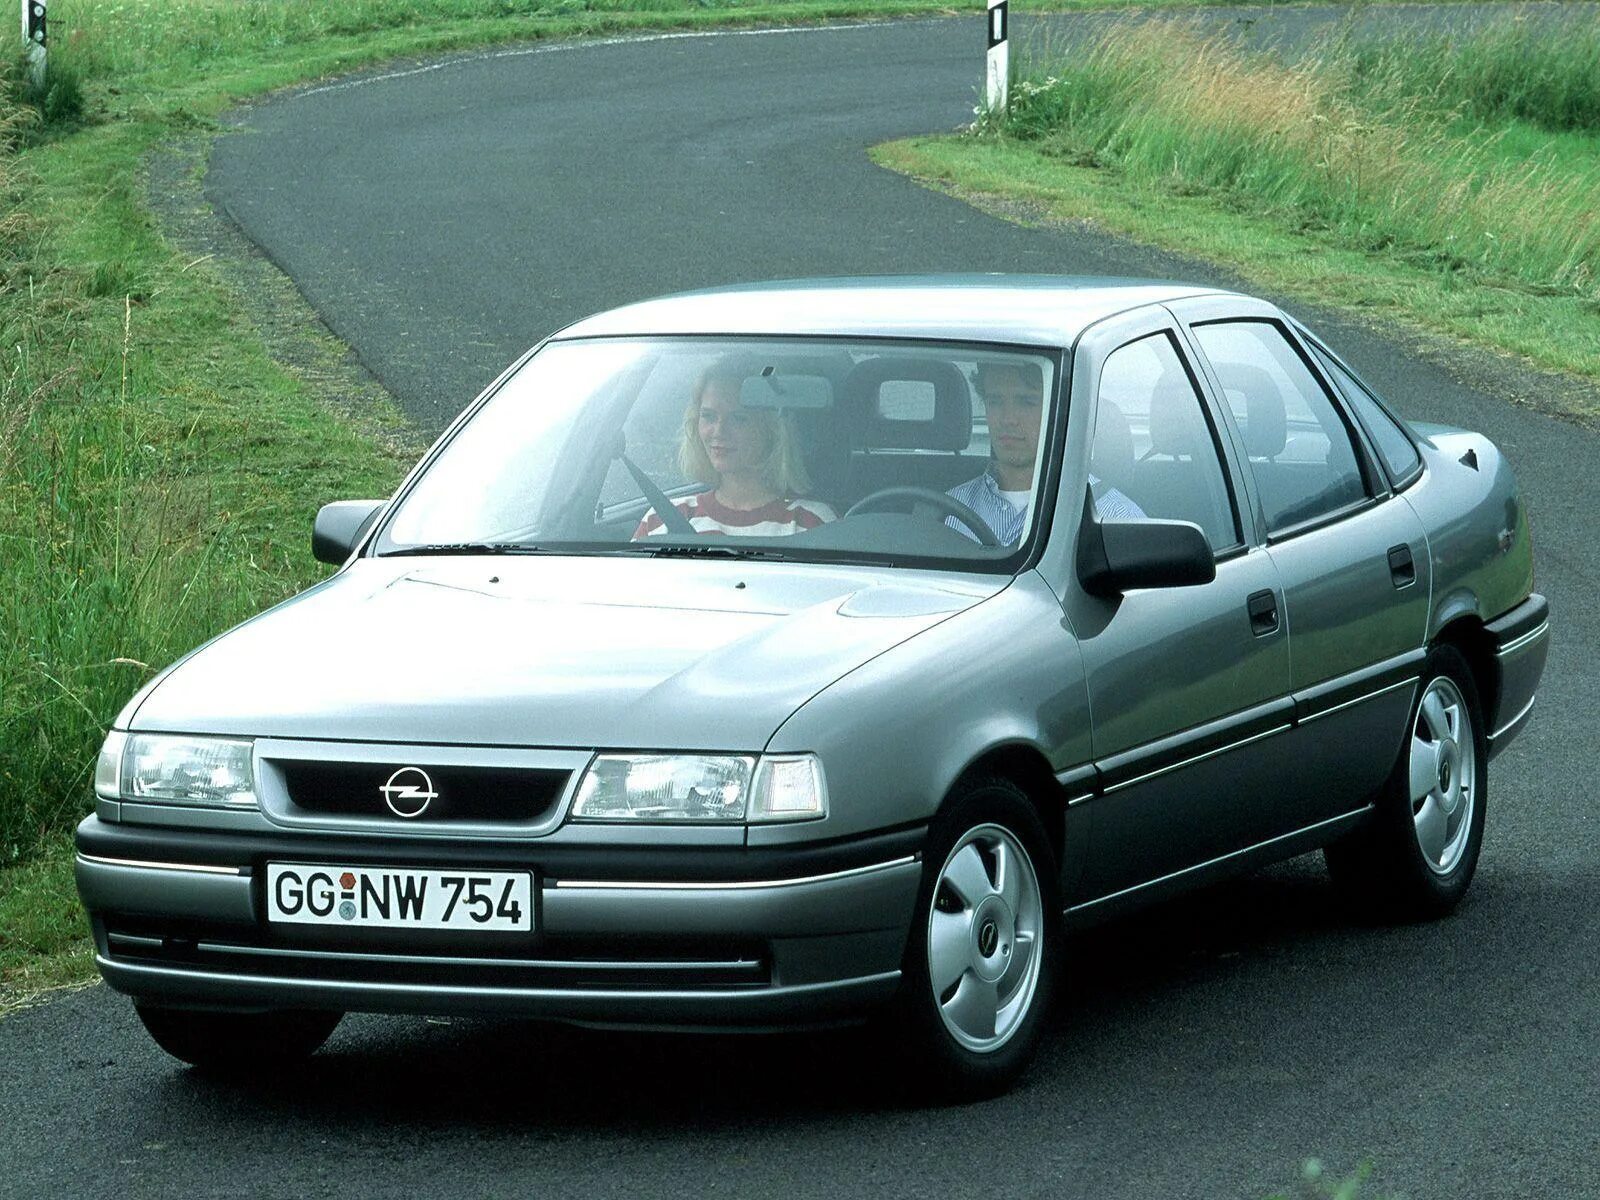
442,219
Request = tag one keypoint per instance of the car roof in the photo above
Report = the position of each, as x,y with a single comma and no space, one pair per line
1041,310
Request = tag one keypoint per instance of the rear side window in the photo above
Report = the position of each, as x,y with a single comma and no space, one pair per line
1300,449
1399,455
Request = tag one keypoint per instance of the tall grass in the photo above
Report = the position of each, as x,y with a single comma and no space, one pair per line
112,559
1542,70
135,523
157,471
1297,141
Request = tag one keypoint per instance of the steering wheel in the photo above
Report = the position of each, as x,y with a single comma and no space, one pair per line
947,504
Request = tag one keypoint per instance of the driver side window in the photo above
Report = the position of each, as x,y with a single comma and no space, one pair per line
1154,442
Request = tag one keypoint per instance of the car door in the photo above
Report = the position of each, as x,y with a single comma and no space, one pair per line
1188,686
1351,555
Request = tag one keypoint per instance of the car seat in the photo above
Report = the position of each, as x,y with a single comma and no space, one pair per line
1111,456
890,451
1178,478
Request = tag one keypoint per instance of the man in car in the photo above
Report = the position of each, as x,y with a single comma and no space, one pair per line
1013,400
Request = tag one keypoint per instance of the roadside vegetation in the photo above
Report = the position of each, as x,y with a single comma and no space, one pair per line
157,471
1452,183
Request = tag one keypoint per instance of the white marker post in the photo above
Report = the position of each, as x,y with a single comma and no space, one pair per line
33,36
999,57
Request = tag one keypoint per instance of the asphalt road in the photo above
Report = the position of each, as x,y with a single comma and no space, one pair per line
443,219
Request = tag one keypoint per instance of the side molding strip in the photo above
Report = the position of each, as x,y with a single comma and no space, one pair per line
634,885
1212,753
1526,639
1516,720
1404,683
193,868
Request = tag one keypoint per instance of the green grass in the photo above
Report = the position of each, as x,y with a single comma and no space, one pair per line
44,937
1513,70
1311,180
160,472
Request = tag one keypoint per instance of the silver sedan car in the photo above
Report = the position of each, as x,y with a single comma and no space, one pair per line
788,654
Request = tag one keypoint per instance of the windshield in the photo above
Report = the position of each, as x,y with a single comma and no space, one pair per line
844,450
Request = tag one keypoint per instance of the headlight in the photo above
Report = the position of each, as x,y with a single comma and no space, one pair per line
693,787
664,787
178,770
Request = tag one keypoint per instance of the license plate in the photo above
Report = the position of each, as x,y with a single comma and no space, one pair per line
298,893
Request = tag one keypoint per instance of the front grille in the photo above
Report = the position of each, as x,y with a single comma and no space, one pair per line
464,794
399,790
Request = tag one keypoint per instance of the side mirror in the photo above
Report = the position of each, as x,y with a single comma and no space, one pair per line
1114,556
340,526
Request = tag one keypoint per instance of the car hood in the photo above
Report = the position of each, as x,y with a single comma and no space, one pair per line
571,652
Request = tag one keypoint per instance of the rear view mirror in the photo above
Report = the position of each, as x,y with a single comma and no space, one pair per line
1115,556
340,526
771,390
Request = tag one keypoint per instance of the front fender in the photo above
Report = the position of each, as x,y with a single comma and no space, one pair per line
896,734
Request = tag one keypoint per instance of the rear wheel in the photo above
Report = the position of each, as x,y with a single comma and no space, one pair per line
1418,856
233,1042
978,972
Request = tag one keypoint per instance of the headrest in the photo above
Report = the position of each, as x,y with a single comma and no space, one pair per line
1111,452
1265,425
1173,409
1257,404
909,404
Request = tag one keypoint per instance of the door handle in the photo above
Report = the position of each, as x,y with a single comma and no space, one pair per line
1401,568
1263,609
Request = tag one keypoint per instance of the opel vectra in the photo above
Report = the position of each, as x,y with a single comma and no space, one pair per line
785,654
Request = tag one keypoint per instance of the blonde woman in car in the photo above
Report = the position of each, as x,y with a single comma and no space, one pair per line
751,461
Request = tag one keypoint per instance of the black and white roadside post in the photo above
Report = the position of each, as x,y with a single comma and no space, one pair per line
999,57
33,36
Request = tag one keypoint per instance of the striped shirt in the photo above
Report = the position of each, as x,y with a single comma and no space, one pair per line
708,515
984,497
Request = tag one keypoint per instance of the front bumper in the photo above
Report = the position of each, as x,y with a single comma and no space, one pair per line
737,938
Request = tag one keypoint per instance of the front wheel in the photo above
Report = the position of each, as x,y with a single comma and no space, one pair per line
978,972
233,1042
1416,858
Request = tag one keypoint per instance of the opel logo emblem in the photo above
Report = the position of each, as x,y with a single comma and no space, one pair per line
988,938
409,792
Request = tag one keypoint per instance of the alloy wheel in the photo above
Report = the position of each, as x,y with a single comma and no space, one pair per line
985,938
1443,775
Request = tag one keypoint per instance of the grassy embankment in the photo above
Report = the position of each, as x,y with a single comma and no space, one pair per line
1451,185
157,468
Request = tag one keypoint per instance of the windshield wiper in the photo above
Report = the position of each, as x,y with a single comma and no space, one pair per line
707,550
673,550
443,548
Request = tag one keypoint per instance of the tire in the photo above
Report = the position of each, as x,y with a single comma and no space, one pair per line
1416,858
235,1042
971,1007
